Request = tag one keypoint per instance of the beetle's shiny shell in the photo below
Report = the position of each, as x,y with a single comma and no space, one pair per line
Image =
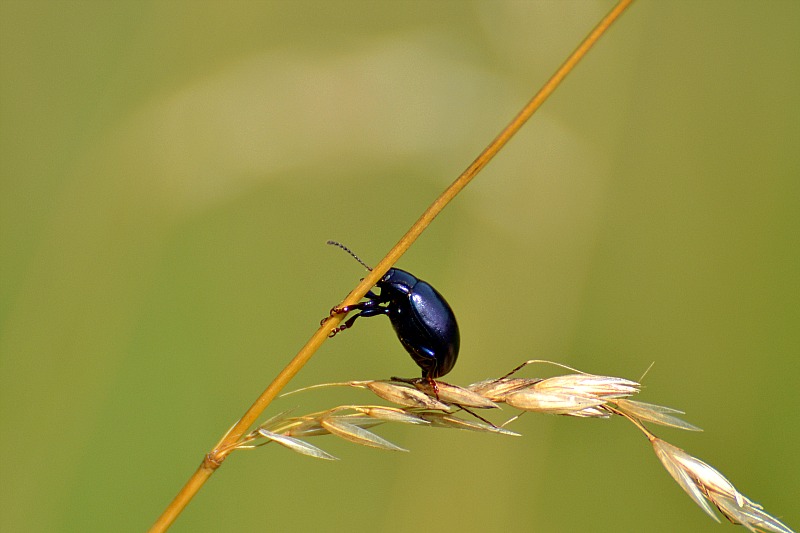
423,321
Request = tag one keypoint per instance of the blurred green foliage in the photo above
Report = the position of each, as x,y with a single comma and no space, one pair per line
170,174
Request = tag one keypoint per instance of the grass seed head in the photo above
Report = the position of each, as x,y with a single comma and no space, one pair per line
707,486
579,394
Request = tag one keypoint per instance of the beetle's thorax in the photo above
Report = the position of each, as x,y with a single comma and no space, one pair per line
398,281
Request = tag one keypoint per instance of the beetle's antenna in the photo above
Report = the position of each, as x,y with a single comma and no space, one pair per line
349,251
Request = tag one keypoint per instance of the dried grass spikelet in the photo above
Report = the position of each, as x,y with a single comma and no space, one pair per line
706,486
356,434
453,394
657,414
389,414
296,445
552,403
399,393
604,387
447,420
496,390
572,395
404,395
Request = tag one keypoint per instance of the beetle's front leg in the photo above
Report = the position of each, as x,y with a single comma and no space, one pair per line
374,299
366,309
336,310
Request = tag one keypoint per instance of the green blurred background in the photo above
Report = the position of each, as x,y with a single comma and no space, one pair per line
172,170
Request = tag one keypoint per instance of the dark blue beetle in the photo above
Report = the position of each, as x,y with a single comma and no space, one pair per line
422,319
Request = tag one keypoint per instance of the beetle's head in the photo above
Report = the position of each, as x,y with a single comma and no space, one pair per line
398,280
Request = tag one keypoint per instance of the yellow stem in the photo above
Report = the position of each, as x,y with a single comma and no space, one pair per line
635,421
215,457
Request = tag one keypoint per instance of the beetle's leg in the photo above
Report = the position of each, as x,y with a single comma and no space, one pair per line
418,383
373,311
373,299
434,386
366,309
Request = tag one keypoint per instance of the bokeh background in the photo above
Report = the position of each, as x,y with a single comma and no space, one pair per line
172,170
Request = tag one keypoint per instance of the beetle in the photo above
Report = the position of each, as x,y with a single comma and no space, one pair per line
420,316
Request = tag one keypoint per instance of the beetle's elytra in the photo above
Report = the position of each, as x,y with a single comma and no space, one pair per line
421,317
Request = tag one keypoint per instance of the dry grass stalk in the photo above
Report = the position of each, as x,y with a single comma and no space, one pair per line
578,394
